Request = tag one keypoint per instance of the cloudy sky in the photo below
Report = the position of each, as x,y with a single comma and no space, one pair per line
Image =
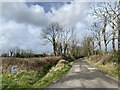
22,22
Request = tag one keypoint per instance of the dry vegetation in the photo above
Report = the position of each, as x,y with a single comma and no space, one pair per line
27,63
107,63
33,72
104,58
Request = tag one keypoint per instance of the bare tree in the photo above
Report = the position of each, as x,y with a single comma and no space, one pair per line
60,37
96,31
51,34
74,42
11,52
112,9
67,37
102,15
87,45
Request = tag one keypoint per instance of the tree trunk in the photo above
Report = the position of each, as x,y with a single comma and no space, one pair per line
11,53
105,41
118,23
54,46
105,44
60,49
93,47
104,33
113,41
99,42
65,49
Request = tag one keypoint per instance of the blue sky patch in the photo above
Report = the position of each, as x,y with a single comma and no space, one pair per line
48,5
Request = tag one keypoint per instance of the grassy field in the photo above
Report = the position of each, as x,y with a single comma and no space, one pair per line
33,72
107,63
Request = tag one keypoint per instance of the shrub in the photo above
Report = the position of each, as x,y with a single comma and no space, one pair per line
114,58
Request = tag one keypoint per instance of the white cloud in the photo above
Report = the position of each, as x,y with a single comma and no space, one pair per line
21,13
68,14
22,36
21,26
13,0
71,14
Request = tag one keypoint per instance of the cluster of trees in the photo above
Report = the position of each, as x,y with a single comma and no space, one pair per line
16,52
105,28
63,39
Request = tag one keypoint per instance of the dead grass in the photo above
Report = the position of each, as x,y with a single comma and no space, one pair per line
27,63
106,63
102,58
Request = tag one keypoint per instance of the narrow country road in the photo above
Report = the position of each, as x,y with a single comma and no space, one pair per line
83,75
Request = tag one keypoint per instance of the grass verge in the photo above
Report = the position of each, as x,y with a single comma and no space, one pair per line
110,68
56,72
34,79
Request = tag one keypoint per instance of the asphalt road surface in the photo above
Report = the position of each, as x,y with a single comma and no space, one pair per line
83,75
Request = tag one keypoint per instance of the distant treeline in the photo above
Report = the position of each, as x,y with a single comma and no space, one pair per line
22,53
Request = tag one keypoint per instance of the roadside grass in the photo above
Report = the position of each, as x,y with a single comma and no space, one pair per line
54,74
35,79
0,80
110,67
23,79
